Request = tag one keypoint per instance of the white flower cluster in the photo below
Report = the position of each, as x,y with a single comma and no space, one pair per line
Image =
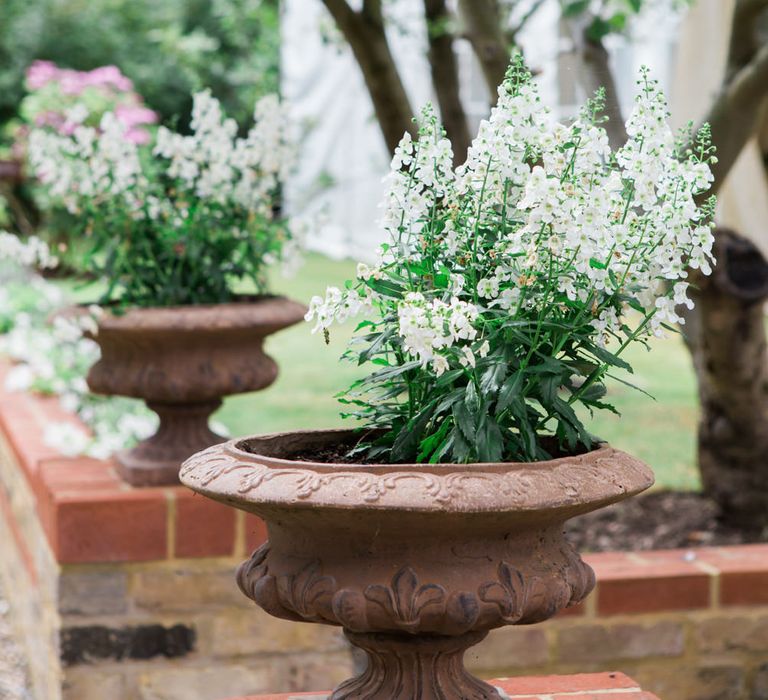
542,222
28,252
337,307
214,163
429,176
90,166
211,165
52,356
427,326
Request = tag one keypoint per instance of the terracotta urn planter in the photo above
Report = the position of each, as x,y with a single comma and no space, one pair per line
182,361
416,562
11,170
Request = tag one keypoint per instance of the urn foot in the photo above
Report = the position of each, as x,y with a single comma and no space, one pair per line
183,431
415,667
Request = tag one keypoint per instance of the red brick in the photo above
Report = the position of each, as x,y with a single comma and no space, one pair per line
739,551
110,526
204,528
24,432
743,573
601,560
565,684
744,587
587,686
601,695
255,532
648,582
76,473
652,589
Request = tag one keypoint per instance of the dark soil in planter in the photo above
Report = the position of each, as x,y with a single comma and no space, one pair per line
657,520
339,454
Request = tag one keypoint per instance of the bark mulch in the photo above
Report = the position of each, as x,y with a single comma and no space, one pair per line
657,520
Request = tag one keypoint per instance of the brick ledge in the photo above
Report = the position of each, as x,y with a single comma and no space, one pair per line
585,686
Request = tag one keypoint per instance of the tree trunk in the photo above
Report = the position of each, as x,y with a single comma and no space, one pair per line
365,33
594,72
488,40
445,78
725,333
731,363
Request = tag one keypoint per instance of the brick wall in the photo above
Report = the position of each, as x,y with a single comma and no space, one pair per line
584,686
129,594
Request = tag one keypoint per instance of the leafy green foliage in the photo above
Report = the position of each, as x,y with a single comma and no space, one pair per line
169,48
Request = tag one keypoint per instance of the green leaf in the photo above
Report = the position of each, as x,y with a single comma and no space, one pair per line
597,264
608,357
598,29
575,7
490,446
364,324
394,371
492,378
593,392
465,421
618,22
408,439
460,447
448,377
630,385
471,398
386,288
432,442
548,386
444,448
509,391
454,397
375,346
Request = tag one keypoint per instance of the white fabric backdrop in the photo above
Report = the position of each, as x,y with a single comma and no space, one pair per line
343,156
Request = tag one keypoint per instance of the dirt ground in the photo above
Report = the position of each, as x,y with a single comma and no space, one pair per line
658,520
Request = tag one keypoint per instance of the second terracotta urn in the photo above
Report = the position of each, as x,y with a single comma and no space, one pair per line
182,361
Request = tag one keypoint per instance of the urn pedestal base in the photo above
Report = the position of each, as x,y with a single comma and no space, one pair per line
183,431
415,667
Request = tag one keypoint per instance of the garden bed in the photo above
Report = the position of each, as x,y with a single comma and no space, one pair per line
658,520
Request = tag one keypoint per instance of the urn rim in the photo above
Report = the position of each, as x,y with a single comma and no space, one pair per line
256,479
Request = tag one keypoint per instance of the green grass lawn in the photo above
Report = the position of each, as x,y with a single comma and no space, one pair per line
661,432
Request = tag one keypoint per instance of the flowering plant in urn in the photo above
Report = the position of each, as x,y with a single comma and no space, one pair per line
511,286
174,227
181,219
505,296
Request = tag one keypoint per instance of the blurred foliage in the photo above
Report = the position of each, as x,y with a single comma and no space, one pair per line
169,48
604,17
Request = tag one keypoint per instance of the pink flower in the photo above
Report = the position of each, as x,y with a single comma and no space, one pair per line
133,115
40,73
107,76
73,82
140,137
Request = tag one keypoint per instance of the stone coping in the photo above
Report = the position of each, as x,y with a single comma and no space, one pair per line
585,686
91,516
